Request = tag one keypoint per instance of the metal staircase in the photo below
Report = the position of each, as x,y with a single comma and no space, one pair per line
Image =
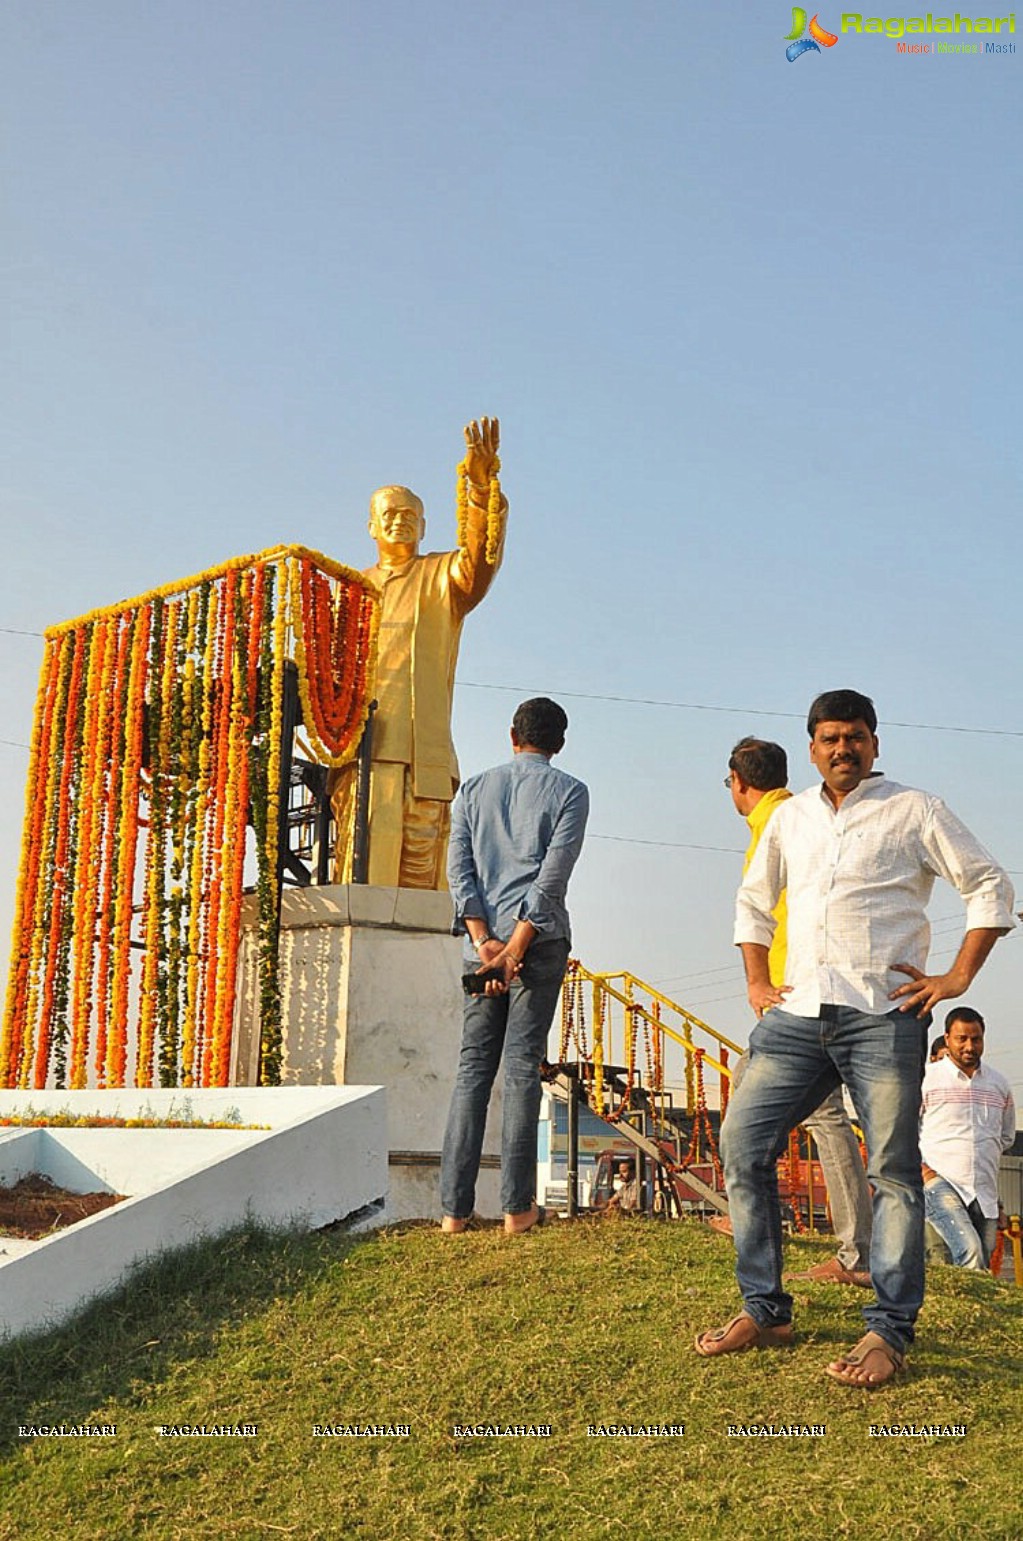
614,1029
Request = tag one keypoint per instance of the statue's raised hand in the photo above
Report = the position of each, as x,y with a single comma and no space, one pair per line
481,440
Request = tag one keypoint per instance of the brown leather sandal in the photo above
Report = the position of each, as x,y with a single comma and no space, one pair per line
741,1333
833,1272
873,1355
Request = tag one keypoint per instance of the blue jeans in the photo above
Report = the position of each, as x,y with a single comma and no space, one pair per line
794,1063
969,1235
516,1024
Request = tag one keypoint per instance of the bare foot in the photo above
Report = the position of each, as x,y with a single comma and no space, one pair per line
518,1225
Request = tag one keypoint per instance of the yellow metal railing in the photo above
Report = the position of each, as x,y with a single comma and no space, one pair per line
623,1002
622,1009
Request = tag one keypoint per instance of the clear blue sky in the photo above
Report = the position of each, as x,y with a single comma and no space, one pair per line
752,329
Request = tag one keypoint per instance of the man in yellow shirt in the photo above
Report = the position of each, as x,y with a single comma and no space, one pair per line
757,777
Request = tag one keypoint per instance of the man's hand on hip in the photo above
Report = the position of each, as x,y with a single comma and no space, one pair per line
764,995
924,991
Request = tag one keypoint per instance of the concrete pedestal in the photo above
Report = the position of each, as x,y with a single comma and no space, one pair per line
371,989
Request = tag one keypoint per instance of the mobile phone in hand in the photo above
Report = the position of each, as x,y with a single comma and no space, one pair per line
476,984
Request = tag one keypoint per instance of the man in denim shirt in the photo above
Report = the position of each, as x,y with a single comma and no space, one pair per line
516,833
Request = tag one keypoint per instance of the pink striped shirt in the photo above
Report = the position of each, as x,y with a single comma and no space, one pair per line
966,1123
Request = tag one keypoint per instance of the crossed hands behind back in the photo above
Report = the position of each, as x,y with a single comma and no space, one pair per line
495,955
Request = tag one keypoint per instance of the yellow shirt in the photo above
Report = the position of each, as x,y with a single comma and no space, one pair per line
757,821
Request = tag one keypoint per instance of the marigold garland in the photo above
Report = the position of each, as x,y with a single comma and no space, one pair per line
95,751
156,735
53,1023
496,511
108,858
332,672
239,774
155,856
270,1034
24,956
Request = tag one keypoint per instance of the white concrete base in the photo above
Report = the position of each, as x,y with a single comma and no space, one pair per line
371,984
322,1158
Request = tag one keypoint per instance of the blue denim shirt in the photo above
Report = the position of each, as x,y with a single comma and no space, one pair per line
516,832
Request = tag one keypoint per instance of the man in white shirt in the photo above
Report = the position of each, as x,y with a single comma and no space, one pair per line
968,1119
758,781
858,856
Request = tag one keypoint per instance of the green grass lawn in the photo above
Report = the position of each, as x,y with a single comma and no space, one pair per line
577,1324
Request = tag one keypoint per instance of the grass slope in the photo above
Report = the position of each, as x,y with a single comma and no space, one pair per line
576,1324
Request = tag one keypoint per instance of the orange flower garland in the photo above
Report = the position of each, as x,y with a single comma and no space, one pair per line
24,958
335,643
104,961
157,729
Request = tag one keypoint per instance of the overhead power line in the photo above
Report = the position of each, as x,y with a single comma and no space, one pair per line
675,845
735,711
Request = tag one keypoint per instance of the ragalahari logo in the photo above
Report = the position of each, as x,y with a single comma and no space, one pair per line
798,44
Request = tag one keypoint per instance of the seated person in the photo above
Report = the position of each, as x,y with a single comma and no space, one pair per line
626,1194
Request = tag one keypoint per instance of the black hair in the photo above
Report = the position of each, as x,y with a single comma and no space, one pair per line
541,723
761,764
964,1014
841,706
939,1043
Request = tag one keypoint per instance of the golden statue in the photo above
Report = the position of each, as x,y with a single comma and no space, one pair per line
424,600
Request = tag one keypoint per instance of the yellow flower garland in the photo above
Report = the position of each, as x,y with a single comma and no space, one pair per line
97,706
496,512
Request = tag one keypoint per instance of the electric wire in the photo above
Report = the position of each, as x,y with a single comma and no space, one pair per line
737,711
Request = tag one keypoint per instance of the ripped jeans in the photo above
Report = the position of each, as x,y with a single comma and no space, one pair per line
968,1234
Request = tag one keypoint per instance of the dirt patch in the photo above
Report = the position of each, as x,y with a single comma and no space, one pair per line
35,1206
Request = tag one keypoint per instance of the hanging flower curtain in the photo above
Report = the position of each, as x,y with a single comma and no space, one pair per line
157,737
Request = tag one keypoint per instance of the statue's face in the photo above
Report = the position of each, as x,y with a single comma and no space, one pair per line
396,522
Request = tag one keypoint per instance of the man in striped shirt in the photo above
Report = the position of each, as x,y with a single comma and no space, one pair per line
969,1118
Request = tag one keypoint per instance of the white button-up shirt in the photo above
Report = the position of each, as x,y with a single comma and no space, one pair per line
967,1122
859,878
